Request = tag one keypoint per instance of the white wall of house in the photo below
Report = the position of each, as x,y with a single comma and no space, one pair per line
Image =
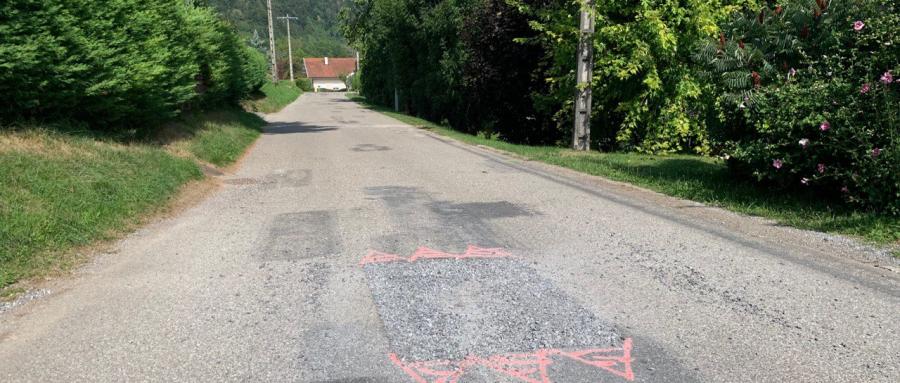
328,84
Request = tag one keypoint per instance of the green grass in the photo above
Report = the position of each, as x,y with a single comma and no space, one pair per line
220,137
695,178
63,190
273,97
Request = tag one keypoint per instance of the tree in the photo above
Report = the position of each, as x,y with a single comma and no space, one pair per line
457,61
645,94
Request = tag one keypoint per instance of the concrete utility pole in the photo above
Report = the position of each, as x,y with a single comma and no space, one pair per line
581,139
287,21
396,100
272,42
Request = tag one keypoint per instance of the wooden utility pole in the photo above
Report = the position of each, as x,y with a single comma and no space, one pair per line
287,21
272,42
581,133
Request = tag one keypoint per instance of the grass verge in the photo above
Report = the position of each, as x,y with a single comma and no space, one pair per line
59,190
695,178
218,137
272,97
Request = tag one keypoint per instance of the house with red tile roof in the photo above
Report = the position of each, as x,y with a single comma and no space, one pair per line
326,72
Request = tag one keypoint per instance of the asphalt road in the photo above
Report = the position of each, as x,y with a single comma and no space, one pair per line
349,247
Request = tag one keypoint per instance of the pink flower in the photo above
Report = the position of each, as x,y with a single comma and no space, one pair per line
876,152
820,168
803,142
792,72
824,126
804,181
777,164
865,88
887,78
845,189
858,25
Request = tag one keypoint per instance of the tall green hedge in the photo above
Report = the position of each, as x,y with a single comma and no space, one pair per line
117,63
457,61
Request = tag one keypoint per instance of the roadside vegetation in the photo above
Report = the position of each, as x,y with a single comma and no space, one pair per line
62,188
120,65
104,122
693,177
221,137
785,109
272,97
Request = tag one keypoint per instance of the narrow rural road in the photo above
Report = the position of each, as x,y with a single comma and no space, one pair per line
349,247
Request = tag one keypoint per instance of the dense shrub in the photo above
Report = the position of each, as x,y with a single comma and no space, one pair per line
809,100
305,84
355,80
118,62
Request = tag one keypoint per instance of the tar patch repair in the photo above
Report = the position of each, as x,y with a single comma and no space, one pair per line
370,148
301,235
278,179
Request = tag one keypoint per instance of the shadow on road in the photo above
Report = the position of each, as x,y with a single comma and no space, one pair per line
295,127
341,100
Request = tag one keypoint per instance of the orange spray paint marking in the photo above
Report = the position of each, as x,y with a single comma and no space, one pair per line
526,367
427,253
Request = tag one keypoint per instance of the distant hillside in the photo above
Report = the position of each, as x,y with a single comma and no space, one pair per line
316,33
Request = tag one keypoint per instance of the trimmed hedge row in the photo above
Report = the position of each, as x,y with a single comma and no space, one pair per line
114,63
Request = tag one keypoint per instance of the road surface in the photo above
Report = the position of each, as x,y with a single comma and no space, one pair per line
349,247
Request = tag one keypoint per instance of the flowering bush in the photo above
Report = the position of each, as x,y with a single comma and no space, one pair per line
809,98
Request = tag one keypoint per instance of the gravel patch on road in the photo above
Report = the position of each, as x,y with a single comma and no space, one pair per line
22,299
448,309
